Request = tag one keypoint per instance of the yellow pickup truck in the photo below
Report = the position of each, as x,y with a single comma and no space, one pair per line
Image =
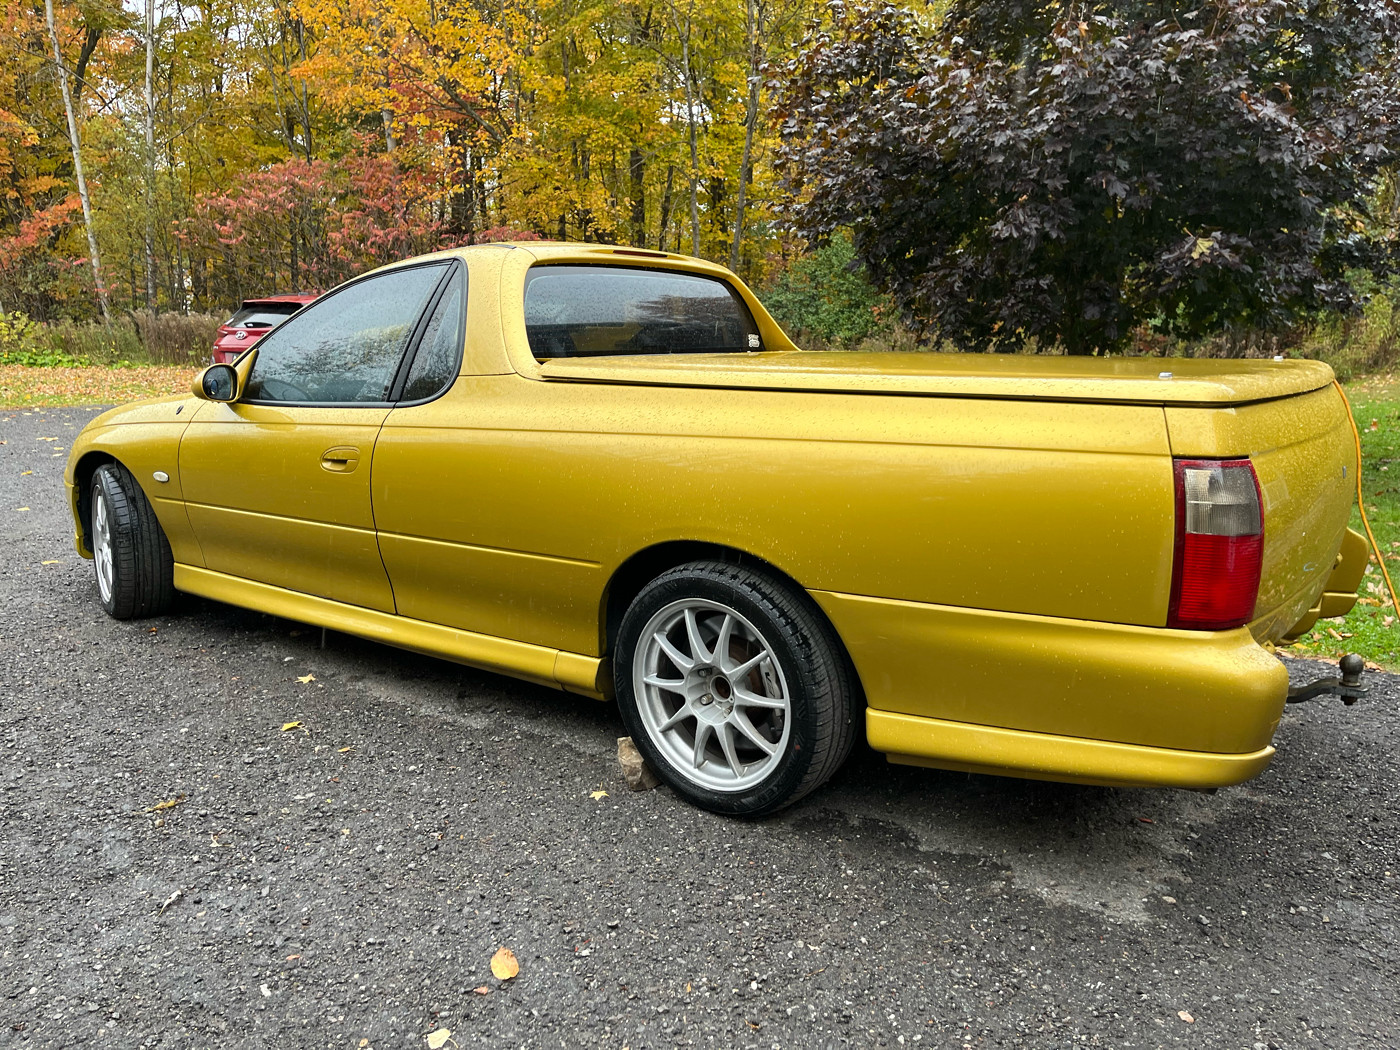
610,471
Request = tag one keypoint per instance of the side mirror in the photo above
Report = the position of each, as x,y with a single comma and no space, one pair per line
216,383
224,383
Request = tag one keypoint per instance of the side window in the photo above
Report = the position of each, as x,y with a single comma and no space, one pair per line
345,347
592,311
439,355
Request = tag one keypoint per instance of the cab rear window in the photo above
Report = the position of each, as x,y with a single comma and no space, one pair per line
605,311
262,316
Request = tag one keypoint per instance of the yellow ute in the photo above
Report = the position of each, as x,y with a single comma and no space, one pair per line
608,470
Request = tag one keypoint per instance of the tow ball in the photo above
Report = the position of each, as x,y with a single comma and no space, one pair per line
1348,686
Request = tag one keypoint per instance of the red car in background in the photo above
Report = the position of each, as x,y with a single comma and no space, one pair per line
253,320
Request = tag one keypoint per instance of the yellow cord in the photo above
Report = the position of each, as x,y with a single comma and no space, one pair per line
1360,505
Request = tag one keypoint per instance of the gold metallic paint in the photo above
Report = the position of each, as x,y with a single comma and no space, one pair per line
571,671
256,471
992,539
1190,690
1040,756
1303,453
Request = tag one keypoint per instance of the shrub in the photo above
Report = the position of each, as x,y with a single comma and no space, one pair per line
176,339
143,338
826,301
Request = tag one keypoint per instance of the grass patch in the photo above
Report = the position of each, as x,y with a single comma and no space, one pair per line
1372,629
23,386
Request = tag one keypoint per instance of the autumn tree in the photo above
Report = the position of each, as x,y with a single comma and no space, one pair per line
1066,172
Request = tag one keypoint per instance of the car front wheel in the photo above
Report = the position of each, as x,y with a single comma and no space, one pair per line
734,688
130,552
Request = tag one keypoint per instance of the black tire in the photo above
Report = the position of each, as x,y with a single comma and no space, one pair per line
142,571
813,675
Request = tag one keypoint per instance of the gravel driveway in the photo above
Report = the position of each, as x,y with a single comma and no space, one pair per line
215,832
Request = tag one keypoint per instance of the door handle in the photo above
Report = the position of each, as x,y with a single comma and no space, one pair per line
340,460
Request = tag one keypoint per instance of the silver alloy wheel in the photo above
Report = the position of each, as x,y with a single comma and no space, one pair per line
102,543
712,695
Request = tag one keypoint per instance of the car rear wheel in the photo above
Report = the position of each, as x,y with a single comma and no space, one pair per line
131,555
734,688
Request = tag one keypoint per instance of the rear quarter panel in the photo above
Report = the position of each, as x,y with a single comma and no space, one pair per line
1304,455
506,506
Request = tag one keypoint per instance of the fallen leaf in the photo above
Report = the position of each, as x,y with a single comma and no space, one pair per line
55,563
171,900
22,473
1185,1017
303,679
347,751
288,727
504,964
595,795
437,1040
364,1042
482,990
22,509
169,803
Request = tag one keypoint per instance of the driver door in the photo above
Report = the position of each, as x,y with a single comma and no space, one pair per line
277,484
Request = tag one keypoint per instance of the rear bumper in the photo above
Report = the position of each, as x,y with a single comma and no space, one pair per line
1061,699
1044,756
1339,592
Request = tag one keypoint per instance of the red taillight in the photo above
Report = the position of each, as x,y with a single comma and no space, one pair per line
1219,544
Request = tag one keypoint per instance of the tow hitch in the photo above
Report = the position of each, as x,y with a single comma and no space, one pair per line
1348,686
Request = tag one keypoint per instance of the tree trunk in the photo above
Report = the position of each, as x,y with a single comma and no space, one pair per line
636,169
73,140
751,34
665,208
694,148
150,157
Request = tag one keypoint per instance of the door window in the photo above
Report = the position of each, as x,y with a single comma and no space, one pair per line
439,355
346,347
591,311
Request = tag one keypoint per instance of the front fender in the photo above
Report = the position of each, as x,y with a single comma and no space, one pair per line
145,439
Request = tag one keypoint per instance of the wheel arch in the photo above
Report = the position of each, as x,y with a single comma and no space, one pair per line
83,471
645,565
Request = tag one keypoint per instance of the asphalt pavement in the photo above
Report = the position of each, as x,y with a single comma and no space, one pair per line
216,831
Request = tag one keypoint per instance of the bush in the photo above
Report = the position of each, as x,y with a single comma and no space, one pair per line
826,301
142,338
1358,345
21,342
175,339
89,343
1365,343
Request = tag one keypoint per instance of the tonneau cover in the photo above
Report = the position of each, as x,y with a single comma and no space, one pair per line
1118,379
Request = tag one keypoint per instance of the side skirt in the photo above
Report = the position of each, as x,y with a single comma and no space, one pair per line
573,672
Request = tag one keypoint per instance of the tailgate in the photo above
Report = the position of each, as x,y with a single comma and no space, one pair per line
1304,455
